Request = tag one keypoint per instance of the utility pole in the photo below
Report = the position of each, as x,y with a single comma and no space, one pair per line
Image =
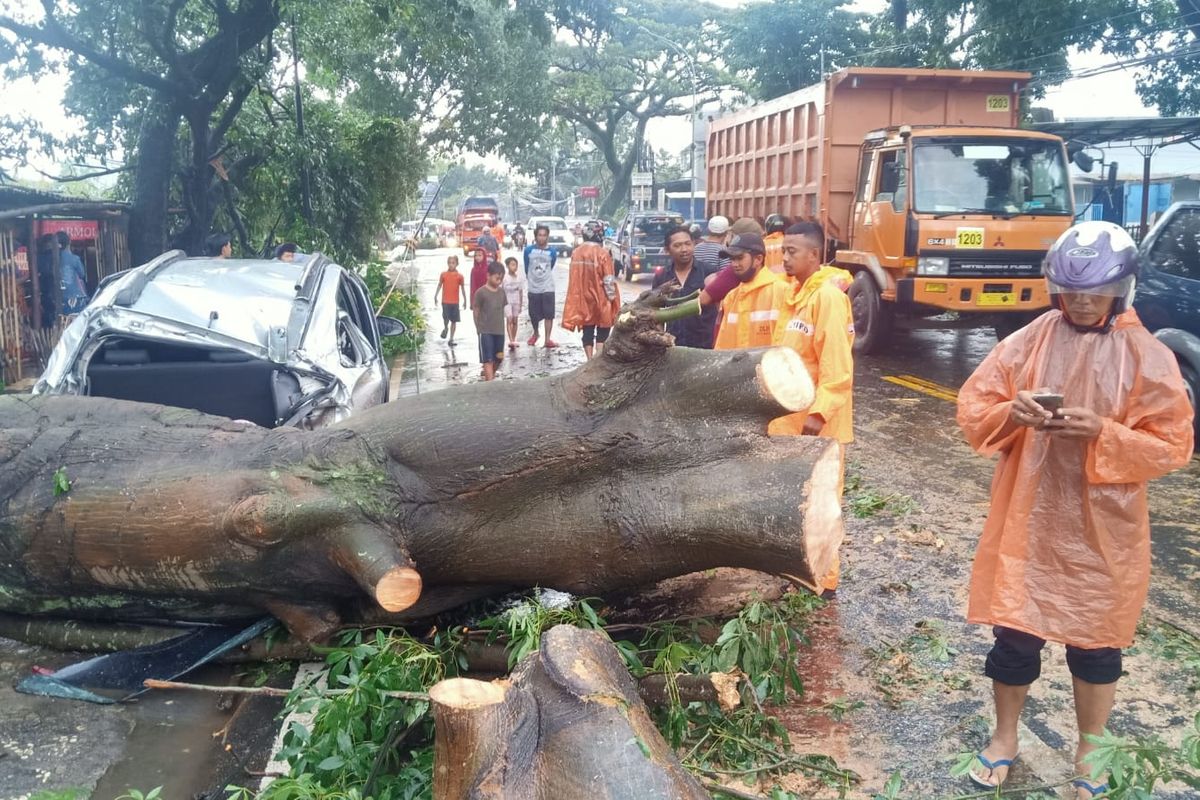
553,175
305,188
691,62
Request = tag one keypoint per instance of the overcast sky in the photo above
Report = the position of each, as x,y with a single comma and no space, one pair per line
1111,95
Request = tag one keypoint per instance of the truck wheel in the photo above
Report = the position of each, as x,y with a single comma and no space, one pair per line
872,316
1006,325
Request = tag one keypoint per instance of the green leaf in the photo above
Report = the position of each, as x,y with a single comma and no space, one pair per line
331,763
61,484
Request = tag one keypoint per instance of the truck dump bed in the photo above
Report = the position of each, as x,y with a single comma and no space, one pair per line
798,154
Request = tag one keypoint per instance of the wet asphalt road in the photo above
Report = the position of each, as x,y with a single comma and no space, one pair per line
892,673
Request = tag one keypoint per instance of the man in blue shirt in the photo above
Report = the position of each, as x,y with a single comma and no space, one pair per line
74,277
540,259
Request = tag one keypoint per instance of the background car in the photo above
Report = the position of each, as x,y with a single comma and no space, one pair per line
561,238
276,343
1168,288
638,246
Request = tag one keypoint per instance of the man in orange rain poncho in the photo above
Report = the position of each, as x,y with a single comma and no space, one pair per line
593,298
1065,553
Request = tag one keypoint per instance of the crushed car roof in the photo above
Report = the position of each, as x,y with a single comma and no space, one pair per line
239,298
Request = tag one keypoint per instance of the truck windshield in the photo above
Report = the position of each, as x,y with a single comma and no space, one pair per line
990,176
653,230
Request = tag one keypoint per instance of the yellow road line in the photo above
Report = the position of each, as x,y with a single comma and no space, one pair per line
923,386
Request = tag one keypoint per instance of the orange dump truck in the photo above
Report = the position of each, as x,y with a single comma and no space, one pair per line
927,189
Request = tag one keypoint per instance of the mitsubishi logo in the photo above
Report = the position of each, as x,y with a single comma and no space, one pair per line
999,241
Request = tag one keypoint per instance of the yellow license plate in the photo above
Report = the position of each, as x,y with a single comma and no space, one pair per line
968,238
997,299
940,288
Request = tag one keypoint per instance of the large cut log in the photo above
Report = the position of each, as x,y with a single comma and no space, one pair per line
569,725
649,462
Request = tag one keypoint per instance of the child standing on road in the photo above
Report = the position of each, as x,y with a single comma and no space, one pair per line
514,294
479,270
450,287
488,305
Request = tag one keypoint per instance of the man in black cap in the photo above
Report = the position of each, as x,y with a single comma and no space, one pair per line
750,312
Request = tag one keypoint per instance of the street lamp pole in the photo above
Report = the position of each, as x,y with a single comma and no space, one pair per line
692,122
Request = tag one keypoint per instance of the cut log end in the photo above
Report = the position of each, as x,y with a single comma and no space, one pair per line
783,378
822,512
398,589
466,694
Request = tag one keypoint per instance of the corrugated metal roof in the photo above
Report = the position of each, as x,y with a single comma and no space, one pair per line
1123,129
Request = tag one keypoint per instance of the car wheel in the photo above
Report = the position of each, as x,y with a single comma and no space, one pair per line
1191,383
872,316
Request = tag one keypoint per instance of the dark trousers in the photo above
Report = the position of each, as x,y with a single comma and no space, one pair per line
1016,660
593,334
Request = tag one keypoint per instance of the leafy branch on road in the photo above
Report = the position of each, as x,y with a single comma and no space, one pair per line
348,750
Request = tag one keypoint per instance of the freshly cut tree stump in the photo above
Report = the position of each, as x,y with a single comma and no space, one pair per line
649,462
569,726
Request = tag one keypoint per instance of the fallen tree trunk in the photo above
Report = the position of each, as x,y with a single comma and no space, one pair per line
649,462
569,725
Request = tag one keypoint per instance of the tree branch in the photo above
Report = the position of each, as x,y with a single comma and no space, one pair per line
54,35
85,177
230,113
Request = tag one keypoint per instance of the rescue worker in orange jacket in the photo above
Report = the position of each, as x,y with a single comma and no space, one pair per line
593,298
1065,552
775,225
750,312
816,321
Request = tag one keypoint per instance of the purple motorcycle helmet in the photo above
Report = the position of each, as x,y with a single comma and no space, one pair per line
1094,257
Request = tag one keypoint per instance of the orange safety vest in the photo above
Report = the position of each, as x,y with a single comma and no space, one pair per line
816,321
774,258
750,312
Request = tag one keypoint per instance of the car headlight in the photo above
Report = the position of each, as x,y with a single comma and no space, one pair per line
933,265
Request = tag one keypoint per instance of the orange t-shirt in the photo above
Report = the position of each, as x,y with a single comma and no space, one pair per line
451,281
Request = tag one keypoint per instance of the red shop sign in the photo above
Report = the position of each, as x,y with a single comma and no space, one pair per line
76,228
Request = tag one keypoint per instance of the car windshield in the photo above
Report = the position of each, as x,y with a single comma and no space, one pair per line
990,176
552,224
652,230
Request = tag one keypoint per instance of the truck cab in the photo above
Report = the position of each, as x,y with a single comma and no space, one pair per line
953,219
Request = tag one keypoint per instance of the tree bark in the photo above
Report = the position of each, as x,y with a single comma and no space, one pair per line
152,182
569,725
646,463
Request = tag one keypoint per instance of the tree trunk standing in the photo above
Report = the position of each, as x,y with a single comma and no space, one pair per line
569,725
152,182
621,168
646,463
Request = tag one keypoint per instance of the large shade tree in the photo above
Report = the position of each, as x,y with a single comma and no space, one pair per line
137,77
615,69
779,46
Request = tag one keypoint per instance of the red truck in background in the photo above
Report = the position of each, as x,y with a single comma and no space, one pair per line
928,190
474,215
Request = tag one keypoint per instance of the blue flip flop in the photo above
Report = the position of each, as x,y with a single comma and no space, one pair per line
1093,789
999,762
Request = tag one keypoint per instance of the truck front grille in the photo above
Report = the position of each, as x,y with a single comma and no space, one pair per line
996,264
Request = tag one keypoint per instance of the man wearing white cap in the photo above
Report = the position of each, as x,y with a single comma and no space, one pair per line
706,257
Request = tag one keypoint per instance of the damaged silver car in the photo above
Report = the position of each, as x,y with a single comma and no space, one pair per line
276,343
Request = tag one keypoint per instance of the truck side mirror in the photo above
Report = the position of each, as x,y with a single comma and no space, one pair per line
889,181
1110,181
1084,161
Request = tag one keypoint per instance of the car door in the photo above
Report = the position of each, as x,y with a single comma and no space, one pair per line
358,344
1169,288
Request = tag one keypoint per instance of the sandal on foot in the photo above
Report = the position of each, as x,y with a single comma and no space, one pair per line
990,765
1093,789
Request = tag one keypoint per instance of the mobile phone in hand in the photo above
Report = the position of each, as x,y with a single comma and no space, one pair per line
1051,402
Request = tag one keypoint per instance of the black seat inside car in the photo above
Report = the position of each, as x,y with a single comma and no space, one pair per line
226,383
